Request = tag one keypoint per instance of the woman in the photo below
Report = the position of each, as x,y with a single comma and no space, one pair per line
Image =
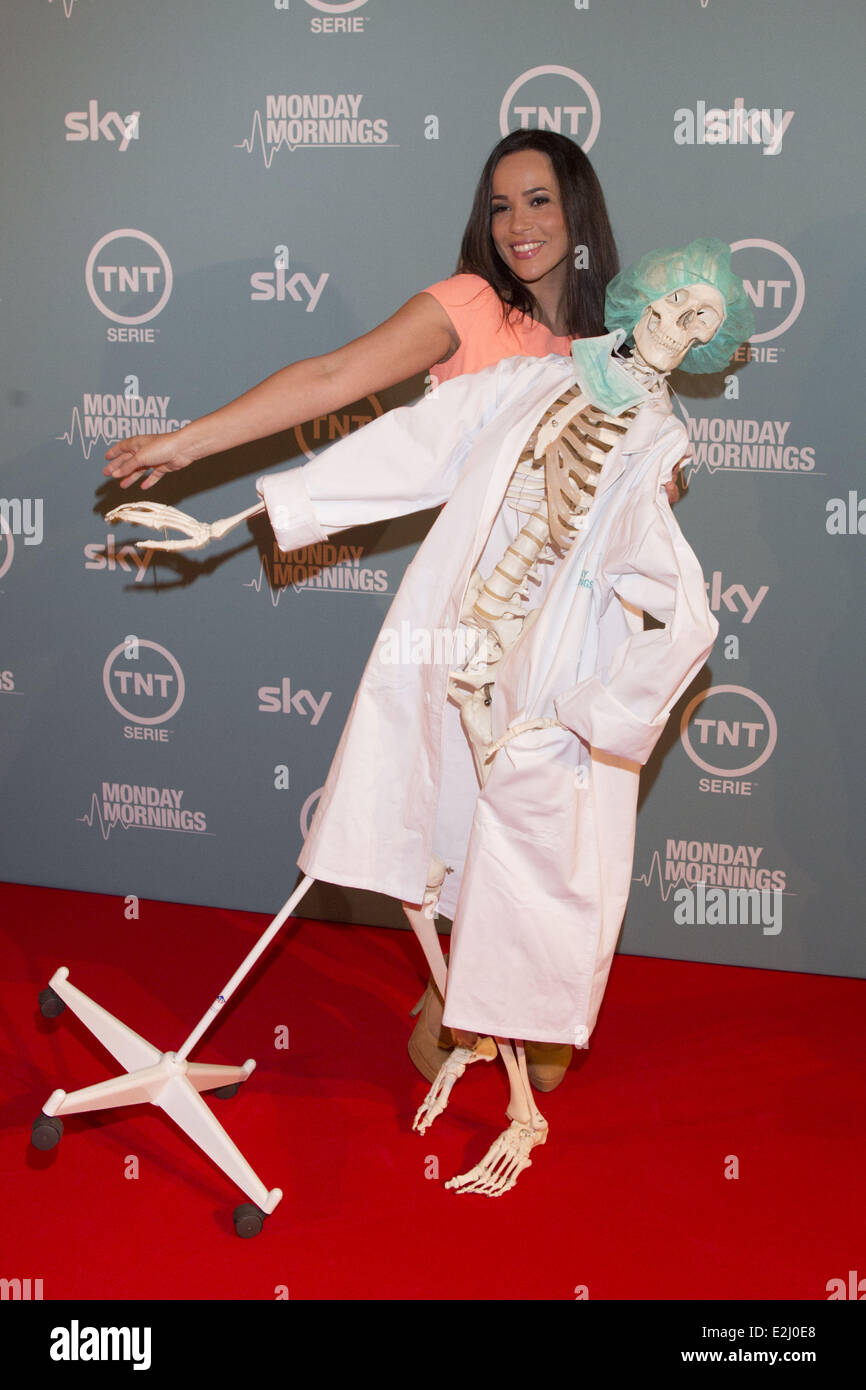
536,256
518,292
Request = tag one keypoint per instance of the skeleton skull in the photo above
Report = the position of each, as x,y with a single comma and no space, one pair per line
671,325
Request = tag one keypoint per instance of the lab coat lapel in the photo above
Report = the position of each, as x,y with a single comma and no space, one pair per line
641,436
513,427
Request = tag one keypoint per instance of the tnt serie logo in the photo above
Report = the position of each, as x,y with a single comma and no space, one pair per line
327,429
775,283
552,97
144,683
129,280
308,810
336,16
729,732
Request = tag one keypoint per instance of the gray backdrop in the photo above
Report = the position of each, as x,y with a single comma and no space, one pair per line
293,173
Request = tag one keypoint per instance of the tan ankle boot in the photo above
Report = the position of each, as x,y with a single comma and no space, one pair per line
547,1064
430,1043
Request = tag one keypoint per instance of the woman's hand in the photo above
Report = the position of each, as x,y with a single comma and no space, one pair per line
153,454
674,488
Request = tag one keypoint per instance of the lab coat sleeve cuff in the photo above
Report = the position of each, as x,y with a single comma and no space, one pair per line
591,712
290,509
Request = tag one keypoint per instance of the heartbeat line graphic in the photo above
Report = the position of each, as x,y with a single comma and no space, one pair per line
264,577
106,827
257,136
276,593
693,468
67,6
646,879
86,445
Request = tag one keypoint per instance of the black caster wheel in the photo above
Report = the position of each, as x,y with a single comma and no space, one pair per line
46,1131
50,1003
249,1220
226,1092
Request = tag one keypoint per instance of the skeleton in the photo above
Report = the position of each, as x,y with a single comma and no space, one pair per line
555,480
554,484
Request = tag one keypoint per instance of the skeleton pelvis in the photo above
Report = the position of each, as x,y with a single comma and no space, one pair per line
500,636
472,689
476,716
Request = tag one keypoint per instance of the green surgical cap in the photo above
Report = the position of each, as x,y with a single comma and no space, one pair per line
704,261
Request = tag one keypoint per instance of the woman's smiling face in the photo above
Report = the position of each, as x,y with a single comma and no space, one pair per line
527,221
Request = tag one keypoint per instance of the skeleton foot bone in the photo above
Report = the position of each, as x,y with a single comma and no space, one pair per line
451,1070
503,1163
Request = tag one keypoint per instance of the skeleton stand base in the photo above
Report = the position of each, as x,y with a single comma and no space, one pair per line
166,1079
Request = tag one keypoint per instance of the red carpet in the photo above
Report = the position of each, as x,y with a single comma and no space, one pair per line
689,1065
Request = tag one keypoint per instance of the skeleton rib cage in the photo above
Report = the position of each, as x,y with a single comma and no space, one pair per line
555,481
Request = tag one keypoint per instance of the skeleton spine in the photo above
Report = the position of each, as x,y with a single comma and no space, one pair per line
513,569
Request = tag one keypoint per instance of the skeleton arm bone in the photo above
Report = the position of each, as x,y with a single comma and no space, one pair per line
306,505
199,533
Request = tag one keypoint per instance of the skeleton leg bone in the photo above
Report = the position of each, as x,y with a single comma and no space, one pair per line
422,921
430,1044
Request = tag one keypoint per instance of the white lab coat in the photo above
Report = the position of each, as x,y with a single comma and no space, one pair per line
541,859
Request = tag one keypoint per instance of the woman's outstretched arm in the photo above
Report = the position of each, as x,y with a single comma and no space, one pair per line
417,336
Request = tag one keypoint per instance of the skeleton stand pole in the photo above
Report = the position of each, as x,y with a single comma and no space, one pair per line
245,967
166,1079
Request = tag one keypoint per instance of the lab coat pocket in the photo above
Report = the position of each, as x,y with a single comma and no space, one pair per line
533,783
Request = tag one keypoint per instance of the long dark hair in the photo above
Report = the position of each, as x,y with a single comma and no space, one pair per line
585,217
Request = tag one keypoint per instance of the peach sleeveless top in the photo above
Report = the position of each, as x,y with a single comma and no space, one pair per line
475,310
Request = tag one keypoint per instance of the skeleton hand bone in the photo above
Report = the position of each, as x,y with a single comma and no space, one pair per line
199,533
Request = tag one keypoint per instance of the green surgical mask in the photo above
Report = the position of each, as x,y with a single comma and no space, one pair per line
601,378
